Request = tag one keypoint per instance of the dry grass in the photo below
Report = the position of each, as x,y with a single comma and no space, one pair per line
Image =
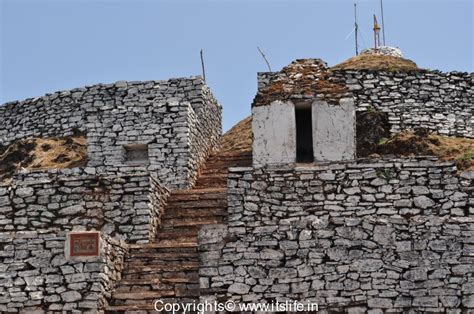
63,153
239,138
458,149
43,153
374,62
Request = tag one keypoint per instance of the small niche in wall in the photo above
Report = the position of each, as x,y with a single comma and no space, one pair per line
136,154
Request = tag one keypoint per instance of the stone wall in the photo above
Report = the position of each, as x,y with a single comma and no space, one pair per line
126,206
35,276
440,102
163,116
58,114
204,131
174,124
178,120
392,234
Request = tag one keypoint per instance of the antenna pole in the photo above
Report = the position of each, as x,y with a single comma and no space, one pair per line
265,58
356,28
383,24
202,65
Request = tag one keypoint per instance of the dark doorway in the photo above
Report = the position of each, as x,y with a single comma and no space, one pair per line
304,135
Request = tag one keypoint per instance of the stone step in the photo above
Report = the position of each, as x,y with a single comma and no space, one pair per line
131,308
172,223
147,307
212,176
201,191
211,181
153,258
173,234
167,269
163,254
136,268
195,204
195,212
196,201
164,250
156,281
186,263
138,282
179,229
197,195
164,244
142,286
179,289
143,295
172,277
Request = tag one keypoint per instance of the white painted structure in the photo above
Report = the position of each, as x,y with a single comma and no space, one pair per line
274,132
334,134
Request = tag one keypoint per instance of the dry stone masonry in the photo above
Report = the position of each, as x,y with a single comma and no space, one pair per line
440,102
394,234
380,235
176,122
35,275
143,139
126,207
57,114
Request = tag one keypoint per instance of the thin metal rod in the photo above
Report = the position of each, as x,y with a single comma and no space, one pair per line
202,65
265,58
383,24
356,28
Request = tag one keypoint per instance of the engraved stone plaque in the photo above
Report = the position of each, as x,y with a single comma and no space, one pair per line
84,244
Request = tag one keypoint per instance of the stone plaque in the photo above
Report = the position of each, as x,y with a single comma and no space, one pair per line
84,244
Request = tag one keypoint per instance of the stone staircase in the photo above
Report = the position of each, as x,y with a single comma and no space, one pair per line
167,269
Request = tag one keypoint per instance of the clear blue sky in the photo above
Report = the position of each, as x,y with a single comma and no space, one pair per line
48,45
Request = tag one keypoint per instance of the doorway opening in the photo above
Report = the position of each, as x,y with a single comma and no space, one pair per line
304,134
